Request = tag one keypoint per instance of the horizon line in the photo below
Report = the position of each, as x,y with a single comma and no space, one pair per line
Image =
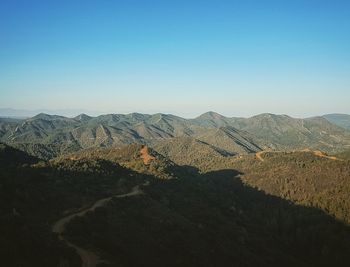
79,112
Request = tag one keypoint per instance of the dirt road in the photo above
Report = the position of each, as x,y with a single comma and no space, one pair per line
317,153
88,258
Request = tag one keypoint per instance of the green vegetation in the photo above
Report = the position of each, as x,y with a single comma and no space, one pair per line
211,220
301,176
32,197
47,136
344,155
278,209
342,120
285,133
304,178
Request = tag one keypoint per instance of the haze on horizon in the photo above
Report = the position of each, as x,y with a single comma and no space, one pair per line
182,57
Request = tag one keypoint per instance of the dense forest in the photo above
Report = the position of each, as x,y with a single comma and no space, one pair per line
248,211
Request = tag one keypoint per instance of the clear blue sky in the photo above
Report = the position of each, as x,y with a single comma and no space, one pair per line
238,58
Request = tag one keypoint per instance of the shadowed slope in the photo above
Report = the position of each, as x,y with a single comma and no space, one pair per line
210,219
305,177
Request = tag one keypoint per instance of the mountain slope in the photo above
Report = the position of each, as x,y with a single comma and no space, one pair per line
212,119
307,177
231,140
283,132
192,219
341,120
188,151
10,156
48,136
212,219
32,196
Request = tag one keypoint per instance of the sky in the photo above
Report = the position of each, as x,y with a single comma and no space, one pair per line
238,58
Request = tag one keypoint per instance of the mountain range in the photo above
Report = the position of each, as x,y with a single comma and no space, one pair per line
342,120
47,136
161,190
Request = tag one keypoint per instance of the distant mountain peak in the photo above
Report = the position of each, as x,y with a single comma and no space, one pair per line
82,117
47,135
41,115
44,116
137,115
211,115
162,117
272,116
266,115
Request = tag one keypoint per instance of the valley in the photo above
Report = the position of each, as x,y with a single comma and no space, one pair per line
175,133
141,190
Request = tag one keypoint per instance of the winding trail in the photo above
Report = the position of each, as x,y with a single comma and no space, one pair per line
317,153
88,258
320,154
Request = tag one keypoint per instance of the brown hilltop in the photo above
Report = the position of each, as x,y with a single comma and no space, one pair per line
137,157
145,155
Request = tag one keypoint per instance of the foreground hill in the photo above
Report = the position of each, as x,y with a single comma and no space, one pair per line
33,195
152,212
136,157
344,155
10,156
219,219
307,177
